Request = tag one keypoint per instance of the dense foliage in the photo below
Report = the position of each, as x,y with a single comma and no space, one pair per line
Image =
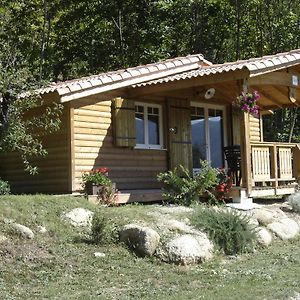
180,187
43,41
229,230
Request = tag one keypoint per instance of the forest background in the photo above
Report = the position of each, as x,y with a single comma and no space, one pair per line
42,41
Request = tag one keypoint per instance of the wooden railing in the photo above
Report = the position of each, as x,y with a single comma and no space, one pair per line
275,162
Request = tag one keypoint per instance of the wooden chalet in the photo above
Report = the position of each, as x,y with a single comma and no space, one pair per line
148,119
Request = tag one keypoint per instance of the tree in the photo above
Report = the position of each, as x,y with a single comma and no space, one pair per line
19,129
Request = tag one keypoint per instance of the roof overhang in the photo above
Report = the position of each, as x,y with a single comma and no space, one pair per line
280,70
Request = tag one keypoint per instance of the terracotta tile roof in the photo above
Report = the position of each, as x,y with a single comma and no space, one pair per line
127,77
255,66
174,69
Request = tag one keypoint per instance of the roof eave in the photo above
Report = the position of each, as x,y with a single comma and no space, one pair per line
67,95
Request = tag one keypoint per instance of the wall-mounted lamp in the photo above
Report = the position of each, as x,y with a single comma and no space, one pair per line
209,93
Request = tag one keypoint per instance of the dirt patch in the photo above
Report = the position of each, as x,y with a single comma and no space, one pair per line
26,251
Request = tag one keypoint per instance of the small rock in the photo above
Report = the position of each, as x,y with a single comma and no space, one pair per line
99,254
264,236
143,240
285,228
187,249
41,229
3,238
79,217
24,231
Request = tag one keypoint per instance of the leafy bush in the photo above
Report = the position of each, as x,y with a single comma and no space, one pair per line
294,201
180,187
104,230
229,230
4,187
98,176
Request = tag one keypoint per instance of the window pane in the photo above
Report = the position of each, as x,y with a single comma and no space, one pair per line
139,125
211,112
216,141
153,129
198,140
200,111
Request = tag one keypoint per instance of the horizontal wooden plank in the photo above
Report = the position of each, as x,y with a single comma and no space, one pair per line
94,108
93,119
108,142
91,137
83,168
92,131
52,189
251,128
130,162
254,133
111,156
90,103
92,113
91,125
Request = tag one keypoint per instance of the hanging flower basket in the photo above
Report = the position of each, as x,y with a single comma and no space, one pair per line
247,102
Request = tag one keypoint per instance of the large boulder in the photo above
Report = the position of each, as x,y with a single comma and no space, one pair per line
23,231
264,236
79,217
187,249
143,240
266,216
285,228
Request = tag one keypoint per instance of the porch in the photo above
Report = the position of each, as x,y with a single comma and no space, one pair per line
275,170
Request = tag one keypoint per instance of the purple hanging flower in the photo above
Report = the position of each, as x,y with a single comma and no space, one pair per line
247,102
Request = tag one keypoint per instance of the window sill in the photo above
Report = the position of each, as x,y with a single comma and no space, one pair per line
148,148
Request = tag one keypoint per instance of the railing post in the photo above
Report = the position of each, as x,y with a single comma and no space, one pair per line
274,166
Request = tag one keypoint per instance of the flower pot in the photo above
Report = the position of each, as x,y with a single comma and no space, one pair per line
93,189
96,189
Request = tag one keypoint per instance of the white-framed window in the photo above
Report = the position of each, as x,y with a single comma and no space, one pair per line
148,124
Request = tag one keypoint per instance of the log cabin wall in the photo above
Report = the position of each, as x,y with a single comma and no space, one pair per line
53,176
94,147
255,128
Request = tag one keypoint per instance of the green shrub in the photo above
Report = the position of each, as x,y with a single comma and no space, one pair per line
4,187
104,230
180,187
229,230
294,201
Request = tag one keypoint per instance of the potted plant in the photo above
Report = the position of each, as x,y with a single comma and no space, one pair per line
96,182
247,102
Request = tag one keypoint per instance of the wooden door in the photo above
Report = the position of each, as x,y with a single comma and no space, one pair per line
179,131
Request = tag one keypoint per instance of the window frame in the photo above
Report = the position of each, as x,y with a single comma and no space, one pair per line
206,107
146,145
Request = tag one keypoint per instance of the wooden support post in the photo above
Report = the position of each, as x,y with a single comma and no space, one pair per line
246,148
274,167
296,163
71,146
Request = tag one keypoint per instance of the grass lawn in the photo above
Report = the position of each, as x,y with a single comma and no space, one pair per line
61,264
